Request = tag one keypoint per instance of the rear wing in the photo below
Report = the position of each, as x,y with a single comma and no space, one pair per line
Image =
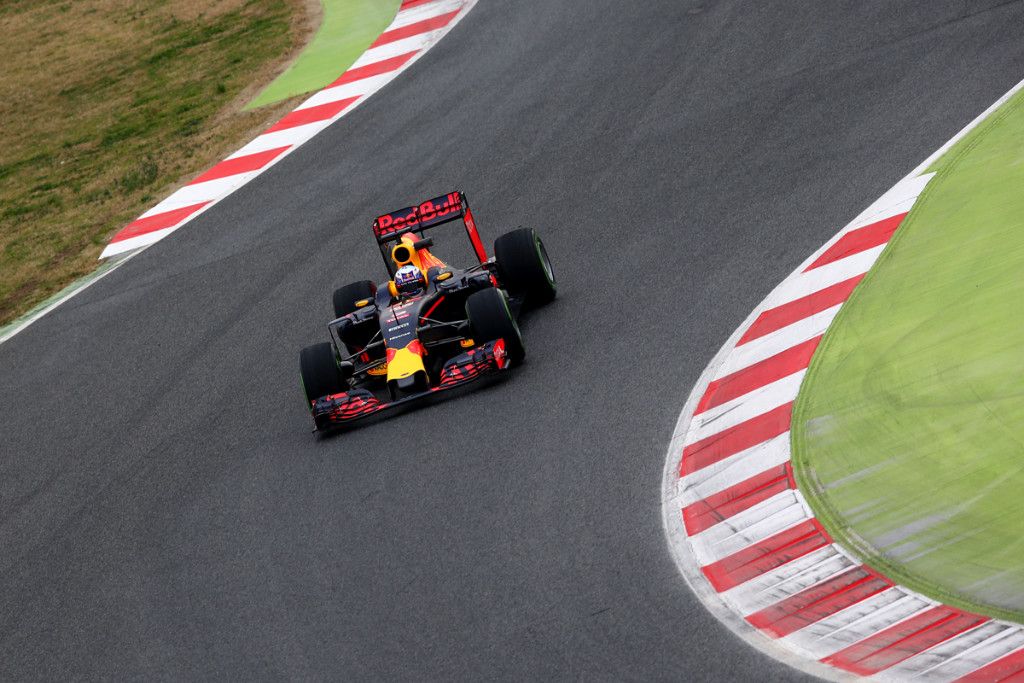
417,219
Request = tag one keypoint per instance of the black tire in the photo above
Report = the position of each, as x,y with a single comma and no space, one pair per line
319,372
490,319
524,267
345,298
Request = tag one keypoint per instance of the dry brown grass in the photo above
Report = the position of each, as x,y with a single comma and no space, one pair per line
107,105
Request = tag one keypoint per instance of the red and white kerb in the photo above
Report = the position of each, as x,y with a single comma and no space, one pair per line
745,537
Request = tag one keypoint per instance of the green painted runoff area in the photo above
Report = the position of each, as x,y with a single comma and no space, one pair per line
347,29
908,433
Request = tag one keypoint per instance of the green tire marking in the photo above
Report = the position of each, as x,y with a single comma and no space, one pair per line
347,29
908,433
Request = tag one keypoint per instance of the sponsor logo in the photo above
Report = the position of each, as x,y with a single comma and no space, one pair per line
439,209
430,212
377,371
396,220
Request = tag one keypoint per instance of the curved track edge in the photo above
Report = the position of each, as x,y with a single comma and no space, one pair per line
742,534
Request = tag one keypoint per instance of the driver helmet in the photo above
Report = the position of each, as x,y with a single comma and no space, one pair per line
409,281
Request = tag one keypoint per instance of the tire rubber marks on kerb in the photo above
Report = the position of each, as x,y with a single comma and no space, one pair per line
720,506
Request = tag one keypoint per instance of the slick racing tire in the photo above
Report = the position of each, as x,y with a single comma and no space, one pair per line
355,337
319,372
523,266
490,319
345,298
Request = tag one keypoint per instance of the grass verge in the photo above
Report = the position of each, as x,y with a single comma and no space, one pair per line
908,433
347,29
107,105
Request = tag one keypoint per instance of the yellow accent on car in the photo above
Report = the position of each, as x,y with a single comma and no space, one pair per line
443,276
378,370
403,364
403,253
363,302
467,343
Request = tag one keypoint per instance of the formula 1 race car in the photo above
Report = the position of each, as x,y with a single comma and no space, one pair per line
430,327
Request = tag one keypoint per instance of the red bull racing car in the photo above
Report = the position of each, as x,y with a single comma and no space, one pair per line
430,326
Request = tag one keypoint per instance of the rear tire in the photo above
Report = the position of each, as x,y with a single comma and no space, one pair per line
490,319
319,372
345,298
524,267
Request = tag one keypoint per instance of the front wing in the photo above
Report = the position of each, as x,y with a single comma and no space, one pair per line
347,407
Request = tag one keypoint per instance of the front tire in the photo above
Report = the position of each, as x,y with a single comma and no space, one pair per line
355,337
490,319
524,267
345,298
319,372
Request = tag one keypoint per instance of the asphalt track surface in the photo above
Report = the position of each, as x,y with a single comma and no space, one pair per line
165,511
